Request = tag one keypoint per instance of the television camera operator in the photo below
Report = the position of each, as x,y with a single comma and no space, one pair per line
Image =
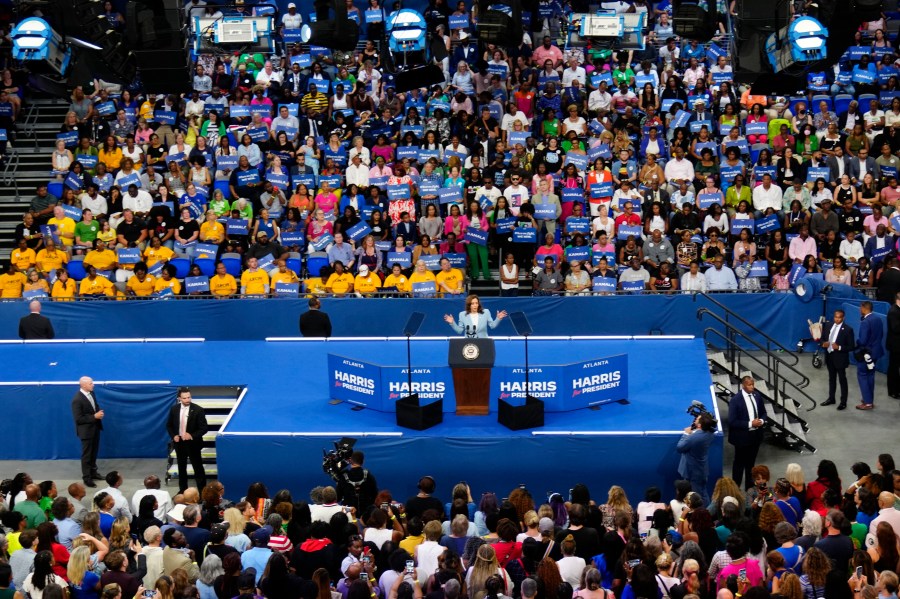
694,449
355,485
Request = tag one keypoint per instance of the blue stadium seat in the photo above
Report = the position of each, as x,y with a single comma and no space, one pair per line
294,262
864,100
182,266
207,266
55,188
314,264
223,187
821,98
232,264
841,102
75,268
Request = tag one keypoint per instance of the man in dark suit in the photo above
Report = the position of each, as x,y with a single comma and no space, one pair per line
837,340
694,449
186,426
35,325
314,322
868,350
836,170
893,347
746,417
88,423
889,281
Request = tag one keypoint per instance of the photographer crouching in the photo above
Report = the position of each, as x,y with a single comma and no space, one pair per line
694,449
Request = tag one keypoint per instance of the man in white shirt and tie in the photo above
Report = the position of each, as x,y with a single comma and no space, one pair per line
746,417
838,341
88,419
186,426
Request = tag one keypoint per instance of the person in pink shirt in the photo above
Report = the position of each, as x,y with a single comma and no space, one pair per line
550,248
781,281
890,194
547,51
802,246
327,200
871,222
453,222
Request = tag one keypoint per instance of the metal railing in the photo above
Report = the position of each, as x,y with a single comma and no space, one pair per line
8,177
779,374
731,315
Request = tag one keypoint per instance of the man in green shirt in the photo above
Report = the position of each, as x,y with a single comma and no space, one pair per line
29,508
86,230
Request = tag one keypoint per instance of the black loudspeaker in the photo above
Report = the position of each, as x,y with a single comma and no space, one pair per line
691,21
498,27
765,14
419,418
418,77
337,33
517,418
868,10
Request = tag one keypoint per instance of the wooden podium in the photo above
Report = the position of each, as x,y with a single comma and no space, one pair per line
471,360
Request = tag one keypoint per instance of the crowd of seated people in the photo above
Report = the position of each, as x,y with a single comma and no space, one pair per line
650,169
788,536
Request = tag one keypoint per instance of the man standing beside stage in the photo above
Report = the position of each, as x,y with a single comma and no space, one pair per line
893,347
88,423
837,339
694,449
186,426
868,350
314,322
746,417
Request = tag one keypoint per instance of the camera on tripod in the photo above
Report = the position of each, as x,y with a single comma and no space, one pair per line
335,461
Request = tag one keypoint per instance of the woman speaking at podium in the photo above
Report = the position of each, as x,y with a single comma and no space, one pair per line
474,320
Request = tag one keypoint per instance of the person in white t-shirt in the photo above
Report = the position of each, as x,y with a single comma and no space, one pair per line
516,194
570,566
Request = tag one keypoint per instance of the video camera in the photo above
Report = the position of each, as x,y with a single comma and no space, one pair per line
697,408
335,461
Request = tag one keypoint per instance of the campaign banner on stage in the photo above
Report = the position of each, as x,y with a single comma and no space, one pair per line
353,380
431,383
508,383
595,381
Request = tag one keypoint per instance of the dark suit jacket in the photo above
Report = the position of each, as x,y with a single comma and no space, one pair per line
871,334
854,168
86,426
315,323
888,285
35,326
739,433
196,421
893,329
845,339
832,166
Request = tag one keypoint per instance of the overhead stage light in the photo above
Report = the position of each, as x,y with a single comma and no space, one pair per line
34,40
802,41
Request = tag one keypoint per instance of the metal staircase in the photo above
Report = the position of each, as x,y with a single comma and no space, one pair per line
737,348
28,163
217,402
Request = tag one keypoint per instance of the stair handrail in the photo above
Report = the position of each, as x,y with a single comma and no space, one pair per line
729,313
775,361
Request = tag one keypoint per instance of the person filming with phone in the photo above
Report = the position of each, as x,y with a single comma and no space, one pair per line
694,449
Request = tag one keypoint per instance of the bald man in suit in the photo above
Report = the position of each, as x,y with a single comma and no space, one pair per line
88,419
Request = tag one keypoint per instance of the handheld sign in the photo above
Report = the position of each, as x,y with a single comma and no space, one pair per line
767,224
196,284
505,225
404,259
293,238
358,231
626,230
633,286
708,199
450,195
456,260
604,285
165,117
525,235
72,212
248,177
476,236
73,181
287,289
424,289
432,261
544,211
70,138
237,226
128,255
576,224
322,242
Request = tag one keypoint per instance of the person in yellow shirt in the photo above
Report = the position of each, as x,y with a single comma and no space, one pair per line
397,279
101,257
366,282
156,252
421,275
314,286
23,256
167,280
222,284
449,280
65,227
340,281
11,282
283,275
64,287
93,285
254,280
50,258
141,284
212,231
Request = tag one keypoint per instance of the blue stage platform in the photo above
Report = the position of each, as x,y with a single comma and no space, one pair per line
278,430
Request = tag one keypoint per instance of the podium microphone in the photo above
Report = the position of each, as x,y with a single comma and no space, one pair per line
470,330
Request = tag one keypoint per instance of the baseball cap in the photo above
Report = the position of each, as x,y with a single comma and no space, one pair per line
291,5
260,538
546,525
363,270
